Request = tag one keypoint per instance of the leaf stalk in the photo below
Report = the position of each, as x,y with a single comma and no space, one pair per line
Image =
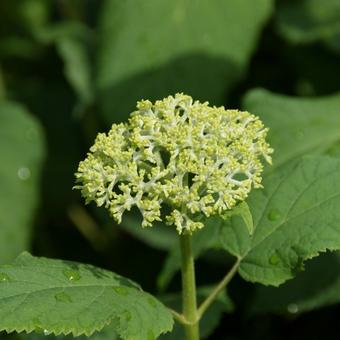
210,299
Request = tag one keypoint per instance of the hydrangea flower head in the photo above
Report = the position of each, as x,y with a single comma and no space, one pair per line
192,158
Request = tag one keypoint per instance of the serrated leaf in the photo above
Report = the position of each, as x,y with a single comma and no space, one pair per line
296,217
198,47
313,288
61,297
106,334
298,126
21,153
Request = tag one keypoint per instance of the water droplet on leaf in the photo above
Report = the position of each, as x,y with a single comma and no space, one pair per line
274,260
72,275
46,332
120,290
24,173
152,302
4,277
63,297
127,315
274,215
293,308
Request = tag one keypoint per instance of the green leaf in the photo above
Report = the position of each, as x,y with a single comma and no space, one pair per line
201,48
202,240
77,67
21,154
298,126
107,333
296,216
308,21
72,41
210,320
61,297
315,287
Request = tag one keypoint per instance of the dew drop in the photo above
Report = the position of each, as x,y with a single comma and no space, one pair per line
127,315
292,308
72,275
46,332
274,215
121,290
152,302
24,173
274,260
63,297
4,277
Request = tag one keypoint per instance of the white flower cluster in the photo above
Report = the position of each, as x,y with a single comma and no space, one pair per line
195,159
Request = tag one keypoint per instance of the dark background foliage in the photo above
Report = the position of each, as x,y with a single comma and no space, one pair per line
73,67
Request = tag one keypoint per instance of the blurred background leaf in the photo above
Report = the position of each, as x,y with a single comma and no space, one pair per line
196,47
22,150
308,21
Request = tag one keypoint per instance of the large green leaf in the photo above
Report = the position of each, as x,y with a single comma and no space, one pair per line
21,154
296,216
298,126
313,288
60,297
150,49
72,41
307,21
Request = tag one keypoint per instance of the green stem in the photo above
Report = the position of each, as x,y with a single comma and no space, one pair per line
189,289
178,317
209,300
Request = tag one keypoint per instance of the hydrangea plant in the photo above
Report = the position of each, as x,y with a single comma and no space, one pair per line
191,166
195,159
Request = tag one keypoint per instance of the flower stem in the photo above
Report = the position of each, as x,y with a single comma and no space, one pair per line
189,289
